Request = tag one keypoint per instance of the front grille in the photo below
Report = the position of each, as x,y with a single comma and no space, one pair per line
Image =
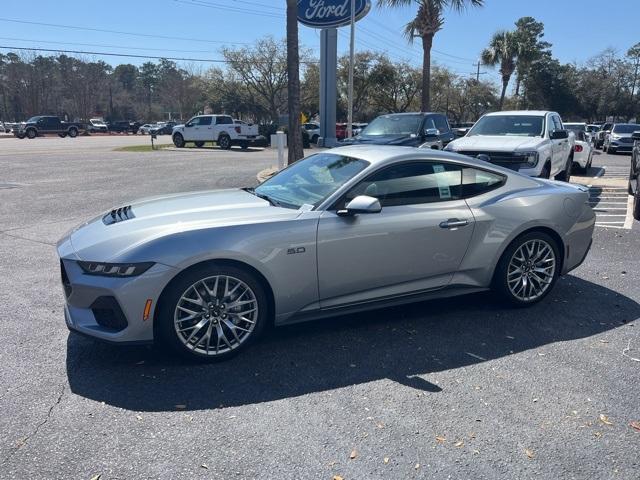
626,140
66,284
503,159
108,313
118,215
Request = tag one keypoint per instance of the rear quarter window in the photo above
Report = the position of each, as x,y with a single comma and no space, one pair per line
476,181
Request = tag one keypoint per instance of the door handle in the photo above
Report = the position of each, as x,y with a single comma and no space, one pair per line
453,223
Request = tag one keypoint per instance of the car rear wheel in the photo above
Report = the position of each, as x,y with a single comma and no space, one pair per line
528,269
73,132
178,140
199,144
212,313
224,142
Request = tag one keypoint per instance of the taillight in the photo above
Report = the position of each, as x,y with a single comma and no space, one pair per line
237,129
578,148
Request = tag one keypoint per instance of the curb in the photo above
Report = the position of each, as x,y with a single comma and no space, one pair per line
266,174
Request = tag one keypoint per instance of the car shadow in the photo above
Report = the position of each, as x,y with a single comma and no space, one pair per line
404,344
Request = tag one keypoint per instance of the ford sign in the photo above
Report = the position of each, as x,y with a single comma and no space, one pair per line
330,13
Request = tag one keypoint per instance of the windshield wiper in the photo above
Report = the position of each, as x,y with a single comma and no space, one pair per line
272,201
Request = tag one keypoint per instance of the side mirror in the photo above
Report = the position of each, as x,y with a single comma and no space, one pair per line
360,204
431,132
559,134
636,135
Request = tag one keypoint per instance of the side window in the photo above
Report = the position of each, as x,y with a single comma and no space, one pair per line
476,181
429,123
557,123
205,120
441,123
411,184
224,120
194,122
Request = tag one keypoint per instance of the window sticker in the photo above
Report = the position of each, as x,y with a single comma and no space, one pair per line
443,185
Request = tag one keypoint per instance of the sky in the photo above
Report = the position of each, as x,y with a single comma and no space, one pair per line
578,29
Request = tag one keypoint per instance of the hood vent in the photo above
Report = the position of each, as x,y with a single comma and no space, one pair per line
118,215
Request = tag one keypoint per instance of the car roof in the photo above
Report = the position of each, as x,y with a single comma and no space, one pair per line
376,154
411,113
532,113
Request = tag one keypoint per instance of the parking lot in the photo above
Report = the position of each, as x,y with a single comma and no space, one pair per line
442,389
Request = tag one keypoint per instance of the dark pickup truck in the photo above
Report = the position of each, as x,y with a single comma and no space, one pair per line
42,125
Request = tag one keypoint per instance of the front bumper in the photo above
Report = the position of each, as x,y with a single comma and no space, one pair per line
620,146
112,309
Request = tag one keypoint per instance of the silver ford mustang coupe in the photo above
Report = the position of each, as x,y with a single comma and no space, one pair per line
343,230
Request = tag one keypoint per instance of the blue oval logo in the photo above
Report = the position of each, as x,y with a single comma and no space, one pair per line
330,13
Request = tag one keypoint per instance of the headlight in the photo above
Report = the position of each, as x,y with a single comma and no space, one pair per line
530,158
615,136
115,269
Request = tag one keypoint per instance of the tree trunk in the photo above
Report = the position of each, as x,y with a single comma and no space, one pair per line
505,83
293,84
517,94
427,42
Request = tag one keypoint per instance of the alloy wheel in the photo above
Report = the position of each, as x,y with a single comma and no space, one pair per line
531,270
216,315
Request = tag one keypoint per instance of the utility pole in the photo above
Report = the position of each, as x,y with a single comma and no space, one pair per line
351,60
478,72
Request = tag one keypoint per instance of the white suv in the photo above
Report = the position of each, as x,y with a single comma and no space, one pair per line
211,128
531,142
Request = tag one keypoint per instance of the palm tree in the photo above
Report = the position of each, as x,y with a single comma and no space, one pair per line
503,50
428,21
293,83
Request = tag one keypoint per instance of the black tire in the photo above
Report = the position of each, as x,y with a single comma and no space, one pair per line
31,133
546,171
166,331
73,132
500,285
565,175
612,151
178,140
199,144
20,135
636,205
62,135
224,142
314,139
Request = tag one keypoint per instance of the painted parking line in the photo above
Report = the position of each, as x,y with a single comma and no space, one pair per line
611,206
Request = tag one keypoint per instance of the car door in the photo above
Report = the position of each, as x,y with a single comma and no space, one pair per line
414,244
192,129
204,132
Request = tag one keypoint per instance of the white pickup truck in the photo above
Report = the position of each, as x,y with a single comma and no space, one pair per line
531,142
221,129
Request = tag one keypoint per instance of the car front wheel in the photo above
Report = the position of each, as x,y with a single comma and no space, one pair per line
528,269
178,140
212,312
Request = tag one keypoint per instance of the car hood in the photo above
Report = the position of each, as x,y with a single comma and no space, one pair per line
497,143
382,140
156,217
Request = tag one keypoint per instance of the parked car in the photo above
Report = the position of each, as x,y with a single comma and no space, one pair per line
619,139
634,174
4,129
532,142
46,124
97,125
146,128
119,126
602,133
582,152
313,130
348,229
163,128
406,129
356,128
592,129
211,128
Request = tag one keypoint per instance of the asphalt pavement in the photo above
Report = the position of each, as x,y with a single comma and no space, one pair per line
463,388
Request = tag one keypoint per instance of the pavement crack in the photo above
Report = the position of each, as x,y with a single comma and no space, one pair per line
28,239
24,441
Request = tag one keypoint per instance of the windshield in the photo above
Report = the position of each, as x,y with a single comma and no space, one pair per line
592,128
310,181
507,125
626,128
394,125
33,119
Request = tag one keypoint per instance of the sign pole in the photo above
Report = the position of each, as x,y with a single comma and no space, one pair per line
328,86
351,60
